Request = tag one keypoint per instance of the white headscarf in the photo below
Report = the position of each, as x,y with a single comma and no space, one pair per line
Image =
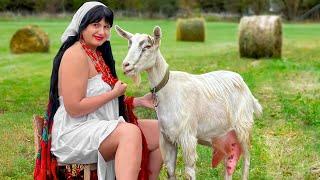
73,27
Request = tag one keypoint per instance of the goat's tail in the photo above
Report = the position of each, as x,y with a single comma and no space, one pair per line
257,108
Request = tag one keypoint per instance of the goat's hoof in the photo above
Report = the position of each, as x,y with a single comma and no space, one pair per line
188,177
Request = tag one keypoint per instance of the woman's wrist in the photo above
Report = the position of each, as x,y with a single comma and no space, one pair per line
111,94
136,102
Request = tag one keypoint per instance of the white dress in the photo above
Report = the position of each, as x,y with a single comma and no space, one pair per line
76,140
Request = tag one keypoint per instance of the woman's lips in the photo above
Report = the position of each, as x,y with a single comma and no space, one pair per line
98,38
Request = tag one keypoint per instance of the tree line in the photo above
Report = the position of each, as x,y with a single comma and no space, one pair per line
289,9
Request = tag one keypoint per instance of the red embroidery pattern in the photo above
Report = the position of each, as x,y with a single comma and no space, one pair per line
100,65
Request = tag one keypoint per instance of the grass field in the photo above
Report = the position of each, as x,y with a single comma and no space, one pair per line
285,140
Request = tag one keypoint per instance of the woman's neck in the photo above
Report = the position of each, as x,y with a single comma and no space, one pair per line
91,47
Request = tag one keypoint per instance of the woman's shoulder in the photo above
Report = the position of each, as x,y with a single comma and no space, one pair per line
75,53
75,56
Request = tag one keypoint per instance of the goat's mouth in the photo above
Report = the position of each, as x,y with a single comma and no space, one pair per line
129,72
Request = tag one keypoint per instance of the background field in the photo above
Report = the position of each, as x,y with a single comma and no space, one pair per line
285,140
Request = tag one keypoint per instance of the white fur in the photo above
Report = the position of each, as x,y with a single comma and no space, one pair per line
193,108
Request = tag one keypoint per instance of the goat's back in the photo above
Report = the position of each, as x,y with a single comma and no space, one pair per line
213,101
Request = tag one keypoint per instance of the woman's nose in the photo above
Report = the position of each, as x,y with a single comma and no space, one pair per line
101,31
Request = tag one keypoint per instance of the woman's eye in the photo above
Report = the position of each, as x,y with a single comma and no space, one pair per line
95,24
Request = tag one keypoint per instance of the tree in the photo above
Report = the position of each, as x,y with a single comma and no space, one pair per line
258,6
4,4
187,7
21,5
212,5
234,6
291,8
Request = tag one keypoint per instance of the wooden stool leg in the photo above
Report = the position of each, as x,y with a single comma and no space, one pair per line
87,172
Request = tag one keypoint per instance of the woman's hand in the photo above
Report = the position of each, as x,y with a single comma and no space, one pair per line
145,101
119,88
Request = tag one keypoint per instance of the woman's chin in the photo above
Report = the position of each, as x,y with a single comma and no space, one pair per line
99,43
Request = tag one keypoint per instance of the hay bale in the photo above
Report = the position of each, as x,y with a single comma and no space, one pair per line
29,39
192,29
260,36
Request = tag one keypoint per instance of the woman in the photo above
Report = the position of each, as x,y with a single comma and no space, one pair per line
88,106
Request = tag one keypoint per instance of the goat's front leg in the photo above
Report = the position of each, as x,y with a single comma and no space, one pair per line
169,155
189,148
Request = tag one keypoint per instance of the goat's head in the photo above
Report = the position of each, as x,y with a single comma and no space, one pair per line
142,51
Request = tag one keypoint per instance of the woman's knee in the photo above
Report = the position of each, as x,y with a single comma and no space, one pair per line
150,130
125,134
129,132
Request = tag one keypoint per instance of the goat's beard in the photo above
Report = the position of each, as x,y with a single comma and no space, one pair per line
136,78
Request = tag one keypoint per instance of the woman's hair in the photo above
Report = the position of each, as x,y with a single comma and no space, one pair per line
93,15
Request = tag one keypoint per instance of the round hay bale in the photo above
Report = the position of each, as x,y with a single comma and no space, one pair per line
29,39
260,36
192,29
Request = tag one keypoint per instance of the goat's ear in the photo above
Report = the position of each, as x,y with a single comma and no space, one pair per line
123,33
157,35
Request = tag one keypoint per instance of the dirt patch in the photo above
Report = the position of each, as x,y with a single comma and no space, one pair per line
315,170
306,82
267,96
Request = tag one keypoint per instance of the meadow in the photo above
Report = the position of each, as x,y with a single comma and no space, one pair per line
285,140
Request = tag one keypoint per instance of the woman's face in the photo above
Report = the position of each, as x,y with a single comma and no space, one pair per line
95,34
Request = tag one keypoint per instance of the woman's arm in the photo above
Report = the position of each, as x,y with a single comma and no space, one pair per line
144,101
73,77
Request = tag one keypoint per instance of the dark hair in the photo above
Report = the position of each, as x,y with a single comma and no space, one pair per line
93,15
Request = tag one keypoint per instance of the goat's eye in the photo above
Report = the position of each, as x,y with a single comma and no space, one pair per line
146,47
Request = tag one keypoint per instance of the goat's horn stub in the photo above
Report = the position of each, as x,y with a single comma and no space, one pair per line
117,28
157,32
123,33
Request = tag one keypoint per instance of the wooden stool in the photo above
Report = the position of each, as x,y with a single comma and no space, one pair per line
38,123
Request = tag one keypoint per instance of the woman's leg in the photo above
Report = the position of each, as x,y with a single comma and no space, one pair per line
150,130
124,145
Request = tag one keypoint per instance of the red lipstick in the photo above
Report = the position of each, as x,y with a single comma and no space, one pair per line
98,38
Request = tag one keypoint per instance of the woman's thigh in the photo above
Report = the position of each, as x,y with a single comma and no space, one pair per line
150,130
123,132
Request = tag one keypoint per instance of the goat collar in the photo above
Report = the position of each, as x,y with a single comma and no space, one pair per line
162,83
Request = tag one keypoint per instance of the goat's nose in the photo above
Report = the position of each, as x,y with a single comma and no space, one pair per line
126,64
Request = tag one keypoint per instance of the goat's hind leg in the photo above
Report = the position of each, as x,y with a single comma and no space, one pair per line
227,175
246,160
169,155
189,148
244,140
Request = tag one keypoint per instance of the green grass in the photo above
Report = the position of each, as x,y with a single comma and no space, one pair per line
285,140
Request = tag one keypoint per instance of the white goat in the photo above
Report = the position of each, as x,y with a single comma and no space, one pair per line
191,108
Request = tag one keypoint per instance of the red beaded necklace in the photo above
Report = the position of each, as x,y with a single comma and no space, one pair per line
99,64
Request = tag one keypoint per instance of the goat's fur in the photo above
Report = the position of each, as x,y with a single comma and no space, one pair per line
192,108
